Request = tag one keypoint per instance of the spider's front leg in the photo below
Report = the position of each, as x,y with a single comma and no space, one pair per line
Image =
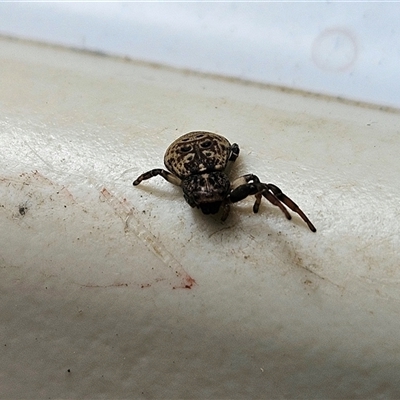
250,184
154,172
291,204
234,152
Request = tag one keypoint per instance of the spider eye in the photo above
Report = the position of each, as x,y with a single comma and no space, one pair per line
206,144
186,149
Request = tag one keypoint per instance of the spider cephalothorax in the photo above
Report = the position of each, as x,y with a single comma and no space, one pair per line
206,191
197,163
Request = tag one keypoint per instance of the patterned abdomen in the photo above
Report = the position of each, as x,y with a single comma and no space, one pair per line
197,152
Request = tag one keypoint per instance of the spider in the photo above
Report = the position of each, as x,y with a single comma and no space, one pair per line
197,162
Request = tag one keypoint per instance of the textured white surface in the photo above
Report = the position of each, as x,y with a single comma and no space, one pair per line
346,49
115,291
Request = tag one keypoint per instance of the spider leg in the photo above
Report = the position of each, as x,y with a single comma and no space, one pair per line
154,172
225,210
275,201
250,184
245,179
290,203
257,203
254,188
242,180
234,152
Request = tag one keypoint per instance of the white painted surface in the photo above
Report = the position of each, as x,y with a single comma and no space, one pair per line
95,274
346,49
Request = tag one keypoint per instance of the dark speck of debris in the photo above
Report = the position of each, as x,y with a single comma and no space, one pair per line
22,210
68,370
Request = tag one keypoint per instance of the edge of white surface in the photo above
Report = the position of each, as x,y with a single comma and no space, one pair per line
338,48
209,75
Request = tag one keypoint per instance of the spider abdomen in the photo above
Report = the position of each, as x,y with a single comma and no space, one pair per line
197,152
